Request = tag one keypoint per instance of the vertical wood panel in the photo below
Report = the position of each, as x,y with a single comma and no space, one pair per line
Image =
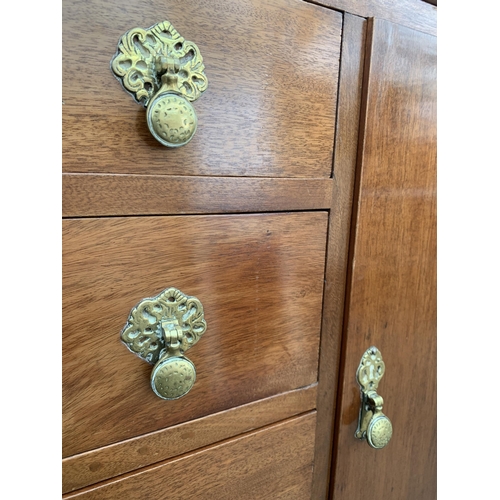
392,298
344,167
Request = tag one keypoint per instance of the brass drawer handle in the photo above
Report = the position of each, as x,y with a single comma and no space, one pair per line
373,425
160,330
165,73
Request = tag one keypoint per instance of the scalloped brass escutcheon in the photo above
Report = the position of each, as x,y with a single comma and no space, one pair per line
160,330
164,73
373,425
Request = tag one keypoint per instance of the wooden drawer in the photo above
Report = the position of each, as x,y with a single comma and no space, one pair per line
260,280
279,466
269,110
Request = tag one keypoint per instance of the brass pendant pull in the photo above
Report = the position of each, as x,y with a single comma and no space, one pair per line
160,330
165,73
373,425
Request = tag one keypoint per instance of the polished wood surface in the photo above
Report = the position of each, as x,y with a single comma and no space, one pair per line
272,463
265,143
102,194
346,142
110,461
392,296
414,14
269,110
259,278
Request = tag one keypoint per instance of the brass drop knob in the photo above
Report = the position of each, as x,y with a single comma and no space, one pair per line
160,330
373,425
379,431
165,73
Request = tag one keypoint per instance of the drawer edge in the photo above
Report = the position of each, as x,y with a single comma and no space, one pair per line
110,461
95,195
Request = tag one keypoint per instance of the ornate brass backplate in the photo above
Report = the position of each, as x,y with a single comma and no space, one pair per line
165,73
160,330
373,425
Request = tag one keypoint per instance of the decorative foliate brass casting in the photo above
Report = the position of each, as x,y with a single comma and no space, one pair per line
165,73
373,425
160,330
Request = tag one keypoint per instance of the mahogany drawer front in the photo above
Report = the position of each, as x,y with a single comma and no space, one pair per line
269,110
117,459
275,462
259,278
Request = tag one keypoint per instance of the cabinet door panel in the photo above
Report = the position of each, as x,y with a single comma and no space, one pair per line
392,298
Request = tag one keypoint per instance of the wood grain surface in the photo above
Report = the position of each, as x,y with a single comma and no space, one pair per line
259,278
414,14
392,296
272,463
269,110
346,143
110,461
111,194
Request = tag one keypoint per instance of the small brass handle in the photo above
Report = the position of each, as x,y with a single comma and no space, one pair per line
160,330
165,73
373,425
